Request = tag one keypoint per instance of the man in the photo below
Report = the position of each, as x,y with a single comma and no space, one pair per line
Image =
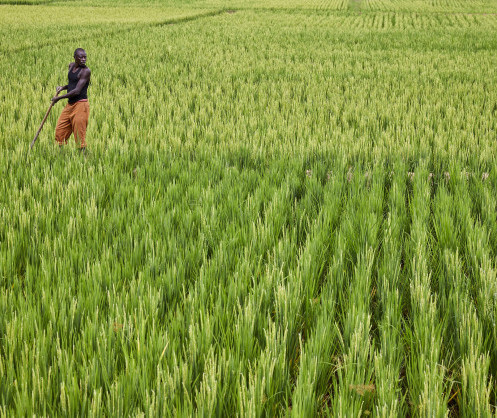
74,117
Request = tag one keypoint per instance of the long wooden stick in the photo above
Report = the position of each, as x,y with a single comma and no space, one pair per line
42,123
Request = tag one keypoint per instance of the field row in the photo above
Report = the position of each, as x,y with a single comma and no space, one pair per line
443,6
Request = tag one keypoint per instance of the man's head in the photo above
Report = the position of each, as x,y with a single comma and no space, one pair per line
80,57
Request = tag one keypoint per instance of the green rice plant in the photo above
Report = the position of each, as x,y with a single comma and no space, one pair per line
464,330
360,228
314,357
477,339
428,394
355,371
390,355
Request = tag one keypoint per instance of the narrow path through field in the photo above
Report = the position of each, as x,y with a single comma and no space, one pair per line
123,28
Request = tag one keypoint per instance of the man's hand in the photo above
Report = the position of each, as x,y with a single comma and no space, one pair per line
59,89
55,99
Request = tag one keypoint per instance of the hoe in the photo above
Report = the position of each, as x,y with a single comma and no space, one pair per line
42,123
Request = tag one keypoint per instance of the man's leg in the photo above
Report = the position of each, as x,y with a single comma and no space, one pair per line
63,130
80,122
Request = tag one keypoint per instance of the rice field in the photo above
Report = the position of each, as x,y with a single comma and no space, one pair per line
287,208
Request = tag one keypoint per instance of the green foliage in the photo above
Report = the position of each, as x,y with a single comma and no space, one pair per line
287,208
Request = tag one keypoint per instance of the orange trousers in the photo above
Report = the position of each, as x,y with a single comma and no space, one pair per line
73,119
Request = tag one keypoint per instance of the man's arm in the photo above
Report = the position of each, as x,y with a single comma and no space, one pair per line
60,88
83,79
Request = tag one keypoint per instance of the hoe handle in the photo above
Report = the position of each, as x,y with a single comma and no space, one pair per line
42,123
